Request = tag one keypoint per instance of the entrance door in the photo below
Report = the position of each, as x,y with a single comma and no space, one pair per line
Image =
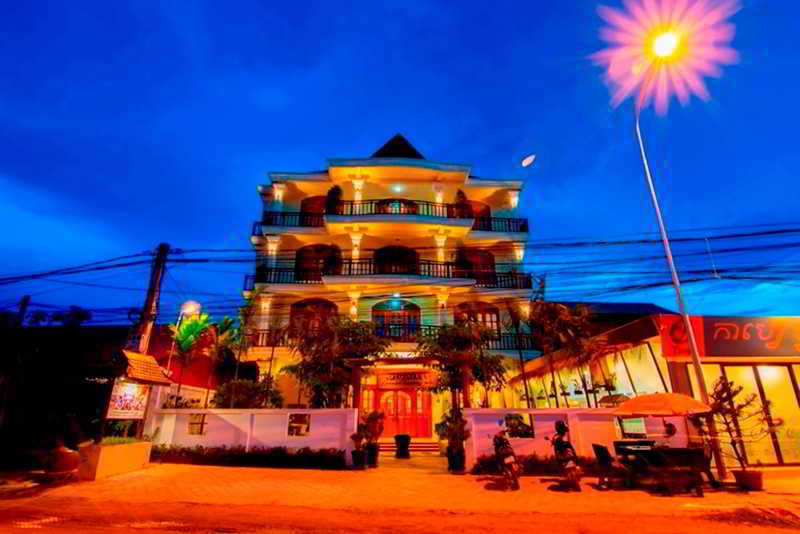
406,412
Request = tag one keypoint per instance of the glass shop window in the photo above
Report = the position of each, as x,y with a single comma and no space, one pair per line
299,425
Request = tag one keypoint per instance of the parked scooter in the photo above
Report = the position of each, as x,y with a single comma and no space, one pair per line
565,455
506,459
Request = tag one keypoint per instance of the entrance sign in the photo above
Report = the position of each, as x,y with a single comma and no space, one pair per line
752,336
406,379
128,400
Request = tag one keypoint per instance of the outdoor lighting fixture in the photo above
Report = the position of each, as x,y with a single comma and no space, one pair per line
656,50
398,188
513,198
190,308
396,295
527,161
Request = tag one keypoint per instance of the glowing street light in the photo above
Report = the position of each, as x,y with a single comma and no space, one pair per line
657,50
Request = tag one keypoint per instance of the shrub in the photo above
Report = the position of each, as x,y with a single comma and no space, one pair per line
255,457
248,394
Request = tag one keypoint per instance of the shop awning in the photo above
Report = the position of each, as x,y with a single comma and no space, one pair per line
144,368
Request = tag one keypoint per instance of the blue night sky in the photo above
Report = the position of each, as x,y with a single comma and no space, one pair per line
124,124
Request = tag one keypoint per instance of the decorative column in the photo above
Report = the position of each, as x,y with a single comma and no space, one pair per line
513,198
438,191
272,250
264,304
355,238
519,251
354,296
441,300
356,387
441,239
358,185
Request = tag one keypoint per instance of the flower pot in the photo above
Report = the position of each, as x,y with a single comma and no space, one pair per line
372,454
442,447
402,443
749,480
456,461
358,459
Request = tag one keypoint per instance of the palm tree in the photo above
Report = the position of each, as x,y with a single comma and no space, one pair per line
222,339
186,336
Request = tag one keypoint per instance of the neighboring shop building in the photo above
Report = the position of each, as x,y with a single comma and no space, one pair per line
762,354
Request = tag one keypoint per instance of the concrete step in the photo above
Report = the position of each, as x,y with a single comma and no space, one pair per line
425,446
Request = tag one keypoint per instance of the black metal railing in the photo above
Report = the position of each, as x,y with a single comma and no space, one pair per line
500,224
391,206
404,333
369,267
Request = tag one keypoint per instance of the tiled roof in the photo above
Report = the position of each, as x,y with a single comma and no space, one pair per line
144,368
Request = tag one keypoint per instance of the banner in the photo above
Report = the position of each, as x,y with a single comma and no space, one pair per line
752,336
406,379
128,400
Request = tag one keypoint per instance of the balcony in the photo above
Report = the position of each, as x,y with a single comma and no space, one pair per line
404,333
370,267
392,206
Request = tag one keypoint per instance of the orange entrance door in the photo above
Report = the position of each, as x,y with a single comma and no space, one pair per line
406,412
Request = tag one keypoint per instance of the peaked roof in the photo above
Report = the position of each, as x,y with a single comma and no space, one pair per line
397,147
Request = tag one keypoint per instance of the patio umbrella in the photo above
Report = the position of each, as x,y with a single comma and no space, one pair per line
662,405
610,401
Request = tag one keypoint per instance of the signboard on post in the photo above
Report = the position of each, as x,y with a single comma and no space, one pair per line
128,400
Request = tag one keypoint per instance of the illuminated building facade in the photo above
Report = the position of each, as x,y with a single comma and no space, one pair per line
403,242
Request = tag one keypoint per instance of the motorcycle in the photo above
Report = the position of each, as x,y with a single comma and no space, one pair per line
506,459
565,455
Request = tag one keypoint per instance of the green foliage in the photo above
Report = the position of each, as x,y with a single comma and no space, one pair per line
189,332
118,440
248,394
373,426
255,457
326,349
460,346
453,428
359,436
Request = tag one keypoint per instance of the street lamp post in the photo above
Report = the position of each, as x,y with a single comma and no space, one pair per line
656,51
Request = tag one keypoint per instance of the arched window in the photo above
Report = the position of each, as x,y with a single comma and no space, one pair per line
396,319
313,261
311,315
396,260
476,263
480,312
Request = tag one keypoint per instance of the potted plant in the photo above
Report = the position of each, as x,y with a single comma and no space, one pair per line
358,451
373,424
442,428
457,434
402,444
742,419
578,390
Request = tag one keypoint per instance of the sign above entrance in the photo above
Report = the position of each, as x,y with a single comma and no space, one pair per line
405,379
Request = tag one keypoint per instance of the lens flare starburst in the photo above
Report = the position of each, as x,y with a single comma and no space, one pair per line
660,48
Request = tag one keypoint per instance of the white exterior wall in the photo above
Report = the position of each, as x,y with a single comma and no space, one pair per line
330,429
586,426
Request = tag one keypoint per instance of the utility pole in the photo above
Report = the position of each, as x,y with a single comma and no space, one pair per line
150,309
23,309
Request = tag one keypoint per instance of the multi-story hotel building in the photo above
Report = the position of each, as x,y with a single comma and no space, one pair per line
403,242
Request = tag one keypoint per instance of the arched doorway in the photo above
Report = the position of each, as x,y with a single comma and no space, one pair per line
476,263
311,211
311,315
403,397
313,261
480,312
396,319
396,260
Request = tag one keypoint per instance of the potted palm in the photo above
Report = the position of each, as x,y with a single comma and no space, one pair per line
358,450
374,428
742,419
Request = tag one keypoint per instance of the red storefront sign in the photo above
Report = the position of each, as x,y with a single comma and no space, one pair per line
731,336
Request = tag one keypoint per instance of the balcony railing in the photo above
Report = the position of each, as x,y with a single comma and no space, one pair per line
369,267
404,333
391,206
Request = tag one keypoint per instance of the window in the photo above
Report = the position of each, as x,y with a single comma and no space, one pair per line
633,428
196,424
519,426
299,424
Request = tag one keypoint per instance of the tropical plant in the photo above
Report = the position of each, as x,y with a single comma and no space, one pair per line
223,338
744,419
328,348
248,394
186,335
457,351
373,426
